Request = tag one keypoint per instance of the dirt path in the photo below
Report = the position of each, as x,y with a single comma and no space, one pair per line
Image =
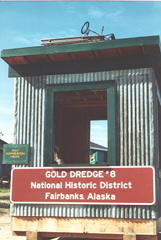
5,220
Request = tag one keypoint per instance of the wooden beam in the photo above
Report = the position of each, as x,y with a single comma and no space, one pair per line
159,226
66,97
96,226
119,52
147,237
33,235
82,235
81,96
130,236
83,104
143,50
86,65
86,236
98,95
70,56
90,46
48,57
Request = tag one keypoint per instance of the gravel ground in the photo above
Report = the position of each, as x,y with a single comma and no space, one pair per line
5,219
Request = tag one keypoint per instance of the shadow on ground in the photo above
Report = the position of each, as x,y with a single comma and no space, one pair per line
4,197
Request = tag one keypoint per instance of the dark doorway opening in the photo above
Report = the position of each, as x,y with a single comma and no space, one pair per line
73,112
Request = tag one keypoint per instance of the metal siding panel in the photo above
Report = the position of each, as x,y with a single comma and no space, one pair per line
121,109
135,121
151,123
125,115
36,109
29,111
21,110
24,138
146,121
16,112
142,130
28,133
31,121
129,122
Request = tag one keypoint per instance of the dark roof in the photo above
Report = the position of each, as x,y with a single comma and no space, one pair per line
90,50
2,141
103,55
97,146
1,144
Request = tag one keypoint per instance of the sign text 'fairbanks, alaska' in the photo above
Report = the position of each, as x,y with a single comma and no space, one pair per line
84,185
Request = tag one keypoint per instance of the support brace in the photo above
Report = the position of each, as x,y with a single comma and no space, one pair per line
30,235
129,236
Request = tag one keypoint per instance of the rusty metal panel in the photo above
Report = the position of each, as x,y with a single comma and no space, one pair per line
136,133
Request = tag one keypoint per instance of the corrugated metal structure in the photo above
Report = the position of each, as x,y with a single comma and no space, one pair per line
134,65
137,132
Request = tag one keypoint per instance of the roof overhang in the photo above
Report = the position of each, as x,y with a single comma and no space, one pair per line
140,52
90,50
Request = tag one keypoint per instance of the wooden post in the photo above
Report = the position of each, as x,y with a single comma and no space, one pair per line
32,235
129,236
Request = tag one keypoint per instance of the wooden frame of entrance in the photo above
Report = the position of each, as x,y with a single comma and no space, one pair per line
49,117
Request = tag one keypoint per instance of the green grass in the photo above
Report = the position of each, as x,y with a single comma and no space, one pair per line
4,190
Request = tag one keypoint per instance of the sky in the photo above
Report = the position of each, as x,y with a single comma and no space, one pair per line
25,23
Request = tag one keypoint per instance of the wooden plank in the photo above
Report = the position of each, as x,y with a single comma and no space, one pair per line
87,236
85,225
83,104
147,237
33,236
18,233
117,43
85,65
60,57
111,115
72,235
82,235
49,129
130,236
159,225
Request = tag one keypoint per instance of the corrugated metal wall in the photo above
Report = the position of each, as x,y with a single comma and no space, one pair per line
29,116
136,126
